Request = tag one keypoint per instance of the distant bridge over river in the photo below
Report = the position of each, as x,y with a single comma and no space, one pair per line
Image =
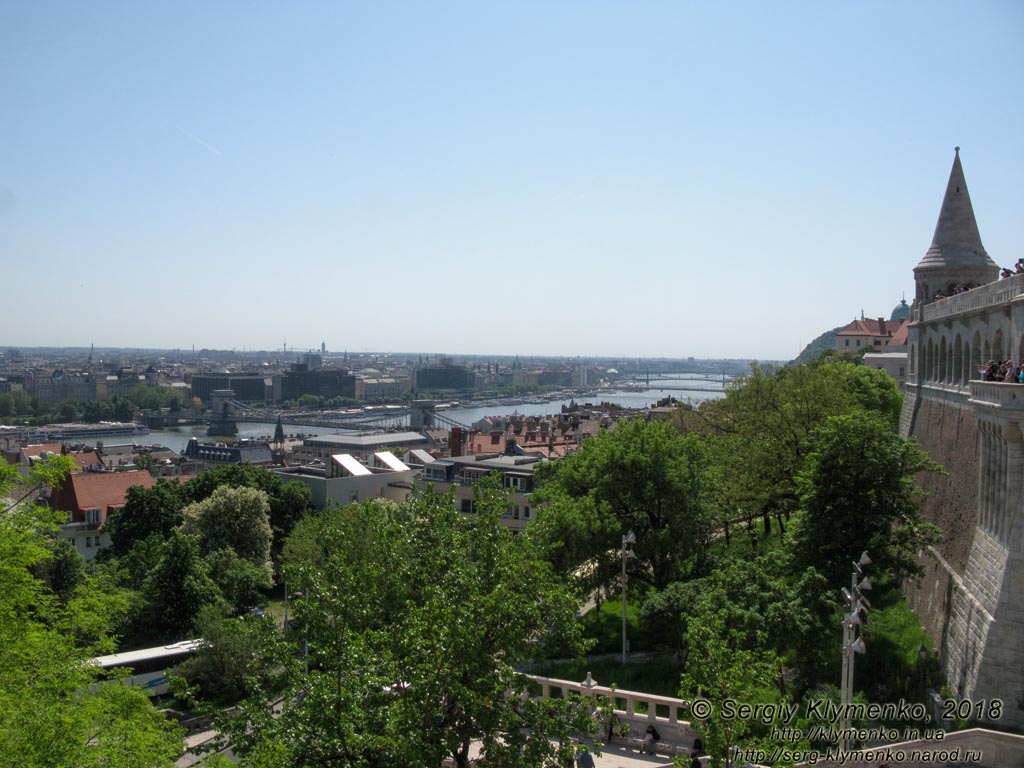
227,413
681,382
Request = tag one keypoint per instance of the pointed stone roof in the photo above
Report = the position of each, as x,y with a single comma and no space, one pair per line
956,242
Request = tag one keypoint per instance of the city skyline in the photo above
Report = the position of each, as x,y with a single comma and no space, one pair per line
669,180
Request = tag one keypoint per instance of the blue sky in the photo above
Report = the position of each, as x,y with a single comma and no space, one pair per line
716,179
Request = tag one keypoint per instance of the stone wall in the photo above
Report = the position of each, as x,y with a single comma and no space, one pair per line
969,599
948,431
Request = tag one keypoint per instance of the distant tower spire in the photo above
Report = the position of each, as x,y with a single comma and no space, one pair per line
956,257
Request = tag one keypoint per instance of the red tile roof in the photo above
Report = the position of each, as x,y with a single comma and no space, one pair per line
899,338
97,490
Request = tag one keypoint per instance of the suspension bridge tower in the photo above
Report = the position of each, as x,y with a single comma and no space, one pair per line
222,420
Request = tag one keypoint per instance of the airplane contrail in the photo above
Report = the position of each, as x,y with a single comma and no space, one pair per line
200,141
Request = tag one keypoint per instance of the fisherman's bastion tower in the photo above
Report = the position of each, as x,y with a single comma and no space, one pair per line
971,599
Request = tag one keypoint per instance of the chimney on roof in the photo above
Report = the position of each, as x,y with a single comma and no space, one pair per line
455,442
881,326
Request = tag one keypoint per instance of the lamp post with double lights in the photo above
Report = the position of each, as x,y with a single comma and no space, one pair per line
629,538
855,609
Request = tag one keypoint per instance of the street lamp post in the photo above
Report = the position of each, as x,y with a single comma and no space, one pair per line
854,603
629,538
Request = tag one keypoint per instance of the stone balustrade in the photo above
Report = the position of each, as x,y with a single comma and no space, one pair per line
997,394
992,295
632,708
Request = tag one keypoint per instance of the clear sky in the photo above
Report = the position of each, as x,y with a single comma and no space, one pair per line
716,179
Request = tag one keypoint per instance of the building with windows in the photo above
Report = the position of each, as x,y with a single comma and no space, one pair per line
446,377
88,498
460,473
248,387
344,479
971,598
872,335
322,447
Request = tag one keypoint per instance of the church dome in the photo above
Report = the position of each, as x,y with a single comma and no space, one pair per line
901,311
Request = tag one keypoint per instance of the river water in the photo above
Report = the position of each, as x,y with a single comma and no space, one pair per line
176,439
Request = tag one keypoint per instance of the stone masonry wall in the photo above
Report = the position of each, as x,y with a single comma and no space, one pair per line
969,597
949,433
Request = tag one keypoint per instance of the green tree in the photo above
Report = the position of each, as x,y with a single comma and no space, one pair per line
759,435
763,605
144,461
64,571
288,500
237,519
233,660
725,672
174,593
857,492
417,619
96,411
147,398
49,713
641,476
147,511
241,582
68,411
122,409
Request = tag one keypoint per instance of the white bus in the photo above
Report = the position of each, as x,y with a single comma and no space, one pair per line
148,666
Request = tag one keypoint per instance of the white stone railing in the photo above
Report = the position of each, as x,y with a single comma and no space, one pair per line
632,708
999,292
950,393
998,394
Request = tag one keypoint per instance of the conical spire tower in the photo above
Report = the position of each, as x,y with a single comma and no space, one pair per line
956,257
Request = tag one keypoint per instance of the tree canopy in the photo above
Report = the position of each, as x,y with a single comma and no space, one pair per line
416,619
642,477
857,492
50,713
288,500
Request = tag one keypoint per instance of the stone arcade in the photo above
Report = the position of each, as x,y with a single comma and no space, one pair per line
971,599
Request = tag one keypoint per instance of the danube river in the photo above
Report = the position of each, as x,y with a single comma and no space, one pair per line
176,439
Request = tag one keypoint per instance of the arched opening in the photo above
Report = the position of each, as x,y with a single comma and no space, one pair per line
942,359
931,360
988,352
913,355
957,369
967,373
979,362
997,345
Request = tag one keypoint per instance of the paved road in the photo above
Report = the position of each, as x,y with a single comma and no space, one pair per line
613,756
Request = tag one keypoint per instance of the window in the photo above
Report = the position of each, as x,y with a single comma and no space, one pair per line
858,342
88,542
526,513
846,342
